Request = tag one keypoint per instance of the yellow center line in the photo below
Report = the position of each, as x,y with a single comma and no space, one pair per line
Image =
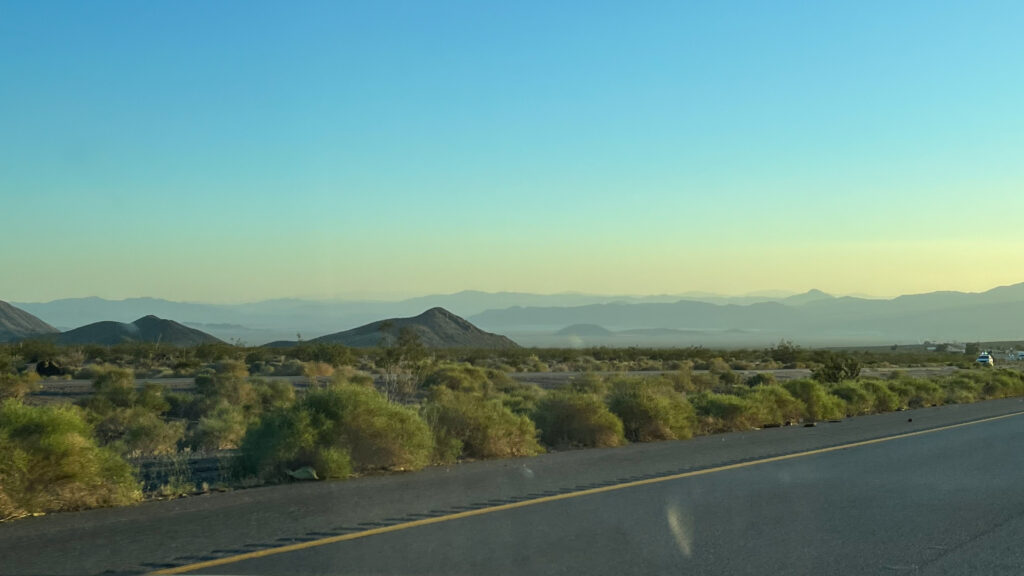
522,504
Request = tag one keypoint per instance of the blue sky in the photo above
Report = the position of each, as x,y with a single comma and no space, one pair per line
233,151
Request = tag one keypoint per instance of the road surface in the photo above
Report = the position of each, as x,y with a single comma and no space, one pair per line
919,497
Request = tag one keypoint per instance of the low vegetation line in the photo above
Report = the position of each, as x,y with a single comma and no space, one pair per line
397,408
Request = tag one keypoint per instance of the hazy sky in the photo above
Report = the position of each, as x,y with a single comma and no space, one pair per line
231,151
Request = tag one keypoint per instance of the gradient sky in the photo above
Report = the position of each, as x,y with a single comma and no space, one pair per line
236,151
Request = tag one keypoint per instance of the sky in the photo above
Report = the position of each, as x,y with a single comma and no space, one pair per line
238,151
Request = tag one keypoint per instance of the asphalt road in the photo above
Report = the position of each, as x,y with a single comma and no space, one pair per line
945,501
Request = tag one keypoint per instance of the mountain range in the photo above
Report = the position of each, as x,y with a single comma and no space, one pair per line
811,318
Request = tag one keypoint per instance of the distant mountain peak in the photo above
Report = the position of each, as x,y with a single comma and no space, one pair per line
812,295
436,327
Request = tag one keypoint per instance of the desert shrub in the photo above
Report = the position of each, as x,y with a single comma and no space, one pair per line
51,462
704,382
1002,384
379,434
221,428
316,370
761,379
567,418
273,394
858,399
961,391
722,412
128,420
459,378
588,383
229,382
837,369
818,403
682,377
290,367
114,386
916,392
773,405
479,427
884,399
17,385
723,372
651,410
33,351
286,439
342,428
135,432
522,398
350,375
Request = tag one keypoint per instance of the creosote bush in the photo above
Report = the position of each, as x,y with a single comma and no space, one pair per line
337,430
577,419
818,403
51,462
469,425
773,405
722,412
651,410
128,420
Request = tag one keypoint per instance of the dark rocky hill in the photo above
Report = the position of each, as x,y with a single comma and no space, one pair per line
437,328
145,329
16,324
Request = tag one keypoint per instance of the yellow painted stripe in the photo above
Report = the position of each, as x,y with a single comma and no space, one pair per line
490,510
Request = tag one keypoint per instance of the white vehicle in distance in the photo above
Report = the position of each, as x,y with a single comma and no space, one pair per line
985,359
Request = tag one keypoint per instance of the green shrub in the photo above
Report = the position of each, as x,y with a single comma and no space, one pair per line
917,392
818,403
378,433
858,399
885,400
129,420
286,439
836,369
229,382
480,428
114,386
761,379
221,428
567,418
722,412
17,385
458,377
136,432
342,428
651,410
721,370
773,405
273,394
51,462
522,398
1003,384
588,383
